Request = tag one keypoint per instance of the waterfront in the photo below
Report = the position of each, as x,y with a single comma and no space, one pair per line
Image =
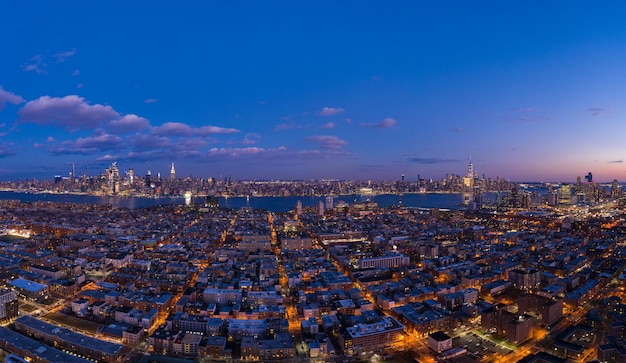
274,204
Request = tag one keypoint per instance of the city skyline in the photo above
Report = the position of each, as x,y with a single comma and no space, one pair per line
529,92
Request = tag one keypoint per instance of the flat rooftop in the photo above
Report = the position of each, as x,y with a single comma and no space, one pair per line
27,285
38,349
70,336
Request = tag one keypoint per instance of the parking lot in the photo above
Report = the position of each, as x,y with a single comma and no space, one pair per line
479,347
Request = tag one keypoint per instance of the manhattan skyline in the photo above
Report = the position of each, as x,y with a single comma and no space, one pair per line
367,90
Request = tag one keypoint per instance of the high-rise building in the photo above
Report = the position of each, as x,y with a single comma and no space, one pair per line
468,180
589,178
8,304
553,196
566,194
329,202
298,208
149,179
615,189
172,173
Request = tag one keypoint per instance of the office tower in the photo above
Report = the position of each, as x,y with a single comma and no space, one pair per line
566,194
172,173
149,179
320,208
131,175
589,178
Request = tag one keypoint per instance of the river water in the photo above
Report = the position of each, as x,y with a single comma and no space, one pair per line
274,204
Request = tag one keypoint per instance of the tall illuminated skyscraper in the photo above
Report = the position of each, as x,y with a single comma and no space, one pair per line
172,173
468,180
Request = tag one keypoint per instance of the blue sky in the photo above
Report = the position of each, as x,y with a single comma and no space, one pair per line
532,91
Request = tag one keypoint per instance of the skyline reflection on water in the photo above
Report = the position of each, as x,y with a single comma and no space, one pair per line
274,204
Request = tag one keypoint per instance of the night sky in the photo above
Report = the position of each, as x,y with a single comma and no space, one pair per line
530,90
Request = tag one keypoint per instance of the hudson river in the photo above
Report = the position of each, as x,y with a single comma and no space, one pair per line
274,204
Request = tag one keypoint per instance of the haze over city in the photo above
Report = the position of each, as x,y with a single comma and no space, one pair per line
531,91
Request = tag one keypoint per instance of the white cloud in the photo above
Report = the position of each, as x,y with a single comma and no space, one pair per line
71,112
9,97
330,111
384,124
328,141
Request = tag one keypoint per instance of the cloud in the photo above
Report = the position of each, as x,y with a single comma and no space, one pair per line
420,160
80,85
100,141
6,151
384,124
151,100
328,125
128,123
181,129
597,111
328,141
107,157
524,109
251,139
137,156
63,56
35,64
330,111
526,115
9,97
40,62
234,152
458,130
616,161
70,112
531,119
286,126
50,139
141,142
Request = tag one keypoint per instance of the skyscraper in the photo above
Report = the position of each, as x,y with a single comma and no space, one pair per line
468,180
172,173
